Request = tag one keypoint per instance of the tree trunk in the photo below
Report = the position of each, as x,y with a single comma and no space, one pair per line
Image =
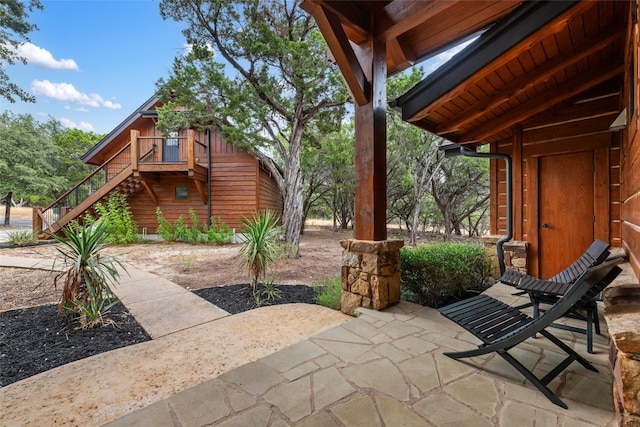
7,211
292,213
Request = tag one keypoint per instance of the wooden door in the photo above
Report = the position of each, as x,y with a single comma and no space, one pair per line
565,209
171,148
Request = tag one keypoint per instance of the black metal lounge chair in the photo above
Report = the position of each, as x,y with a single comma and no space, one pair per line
501,327
546,292
594,255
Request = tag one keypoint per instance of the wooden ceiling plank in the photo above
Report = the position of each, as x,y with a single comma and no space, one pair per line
537,105
586,48
342,51
536,37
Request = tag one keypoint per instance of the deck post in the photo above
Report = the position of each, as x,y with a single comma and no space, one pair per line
134,149
191,149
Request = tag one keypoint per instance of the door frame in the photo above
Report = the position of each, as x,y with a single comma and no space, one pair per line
600,145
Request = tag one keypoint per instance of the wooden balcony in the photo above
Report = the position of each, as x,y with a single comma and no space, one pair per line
174,154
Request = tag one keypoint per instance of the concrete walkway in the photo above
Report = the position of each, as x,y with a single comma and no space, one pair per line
380,369
160,306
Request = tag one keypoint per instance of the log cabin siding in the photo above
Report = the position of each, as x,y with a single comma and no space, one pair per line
270,196
630,156
239,184
580,126
144,210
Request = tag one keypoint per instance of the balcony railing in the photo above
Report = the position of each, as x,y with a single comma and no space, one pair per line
142,152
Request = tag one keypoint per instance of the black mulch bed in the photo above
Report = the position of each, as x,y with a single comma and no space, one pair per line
238,298
37,339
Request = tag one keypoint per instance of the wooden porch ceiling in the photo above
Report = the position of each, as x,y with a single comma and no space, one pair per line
541,56
412,31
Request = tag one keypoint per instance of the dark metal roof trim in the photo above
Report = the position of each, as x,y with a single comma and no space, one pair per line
500,38
120,128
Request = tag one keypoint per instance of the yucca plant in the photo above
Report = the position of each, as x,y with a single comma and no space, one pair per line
87,275
260,244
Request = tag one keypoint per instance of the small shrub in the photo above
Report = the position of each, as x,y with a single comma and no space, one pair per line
260,244
269,291
165,229
23,237
181,231
329,292
219,232
87,274
119,224
437,275
186,262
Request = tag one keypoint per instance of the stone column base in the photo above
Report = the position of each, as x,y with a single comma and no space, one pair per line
370,274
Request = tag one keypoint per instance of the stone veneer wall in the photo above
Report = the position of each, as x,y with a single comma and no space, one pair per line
622,314
370,274
515,254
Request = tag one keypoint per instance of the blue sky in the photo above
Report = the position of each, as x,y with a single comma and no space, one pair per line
93,62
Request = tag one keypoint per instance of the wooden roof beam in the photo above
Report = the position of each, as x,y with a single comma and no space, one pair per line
400,16
528,80
342,51
355,20
542,102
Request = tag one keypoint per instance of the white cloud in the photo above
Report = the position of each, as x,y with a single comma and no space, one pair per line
440,59
187,48
66,92
84,126
43,58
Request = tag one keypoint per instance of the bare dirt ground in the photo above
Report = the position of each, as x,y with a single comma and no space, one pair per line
191,266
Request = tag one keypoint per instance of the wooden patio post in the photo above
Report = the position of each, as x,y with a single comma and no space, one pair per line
371,263
371,146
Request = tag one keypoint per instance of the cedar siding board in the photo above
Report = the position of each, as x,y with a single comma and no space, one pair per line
630,162
240,185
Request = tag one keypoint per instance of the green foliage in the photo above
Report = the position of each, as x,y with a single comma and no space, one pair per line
28,158
118,219
23,237
219,232
181,231
267,86
329,292
260,245
165,229
71,144
269,291
437,275
87,274
14,30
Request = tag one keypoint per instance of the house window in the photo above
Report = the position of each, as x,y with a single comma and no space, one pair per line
182,193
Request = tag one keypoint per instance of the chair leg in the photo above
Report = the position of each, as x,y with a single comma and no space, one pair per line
533,379
589,331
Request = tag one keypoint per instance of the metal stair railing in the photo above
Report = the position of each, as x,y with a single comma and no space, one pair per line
108,171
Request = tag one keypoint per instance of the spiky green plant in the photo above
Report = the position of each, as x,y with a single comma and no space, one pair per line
87,274
260,244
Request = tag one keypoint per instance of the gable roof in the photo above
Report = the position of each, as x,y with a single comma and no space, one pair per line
147,105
